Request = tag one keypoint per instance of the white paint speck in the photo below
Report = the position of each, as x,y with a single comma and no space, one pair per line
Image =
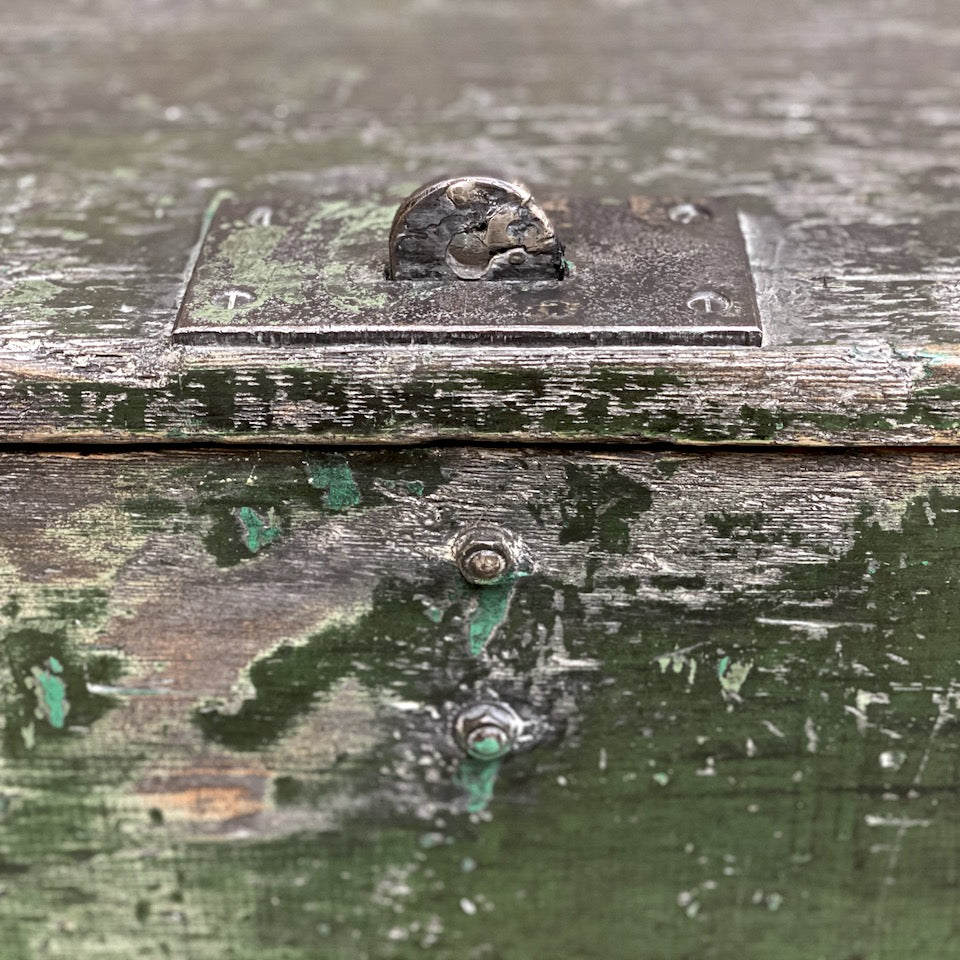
774,729
892,759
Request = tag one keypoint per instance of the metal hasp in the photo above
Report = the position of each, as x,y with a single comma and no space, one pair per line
475,228
302,270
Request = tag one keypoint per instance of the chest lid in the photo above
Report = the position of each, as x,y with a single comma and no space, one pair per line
818,302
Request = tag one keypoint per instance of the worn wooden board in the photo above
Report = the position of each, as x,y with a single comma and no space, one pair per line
833,127
228,679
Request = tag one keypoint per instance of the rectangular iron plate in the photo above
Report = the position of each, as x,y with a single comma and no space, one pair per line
312,272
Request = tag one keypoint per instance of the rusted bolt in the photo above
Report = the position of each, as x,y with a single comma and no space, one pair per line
485,555
473,228
487,730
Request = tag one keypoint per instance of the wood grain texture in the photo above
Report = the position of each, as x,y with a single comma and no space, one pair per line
229,682
833,128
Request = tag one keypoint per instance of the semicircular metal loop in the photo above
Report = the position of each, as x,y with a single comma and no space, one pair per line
473,228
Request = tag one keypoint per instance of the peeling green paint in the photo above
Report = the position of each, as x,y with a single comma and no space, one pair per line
44,679
258,532
732,675
601,503
51,692
677,662
415,488
487,611
697,801
477,778
337,482
30,293
214,401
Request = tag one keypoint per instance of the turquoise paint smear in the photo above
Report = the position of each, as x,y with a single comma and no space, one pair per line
258,534
51,692
338,482
477,778
487,748
489,612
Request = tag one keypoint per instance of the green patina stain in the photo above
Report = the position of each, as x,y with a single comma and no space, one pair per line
30,293
677,662
244,260
337,482
257,532
355,231
477,778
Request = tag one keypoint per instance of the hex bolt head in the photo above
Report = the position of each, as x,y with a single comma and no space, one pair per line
485,555
487,730
483,565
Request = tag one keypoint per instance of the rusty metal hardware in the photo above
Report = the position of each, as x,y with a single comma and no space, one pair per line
485,555
299,270
473,228
487,730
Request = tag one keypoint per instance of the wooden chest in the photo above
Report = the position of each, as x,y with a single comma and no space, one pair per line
479,620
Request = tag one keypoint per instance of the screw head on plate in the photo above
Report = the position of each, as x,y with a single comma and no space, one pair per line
688,212
708,301
235,298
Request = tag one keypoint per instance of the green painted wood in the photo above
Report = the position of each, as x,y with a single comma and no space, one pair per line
228,679
833,131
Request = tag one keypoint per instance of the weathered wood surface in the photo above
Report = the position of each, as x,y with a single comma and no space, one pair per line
228,681
834,128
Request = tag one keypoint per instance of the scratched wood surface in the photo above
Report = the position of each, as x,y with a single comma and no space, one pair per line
228,683
832,124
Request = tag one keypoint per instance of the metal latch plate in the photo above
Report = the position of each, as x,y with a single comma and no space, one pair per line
650,271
